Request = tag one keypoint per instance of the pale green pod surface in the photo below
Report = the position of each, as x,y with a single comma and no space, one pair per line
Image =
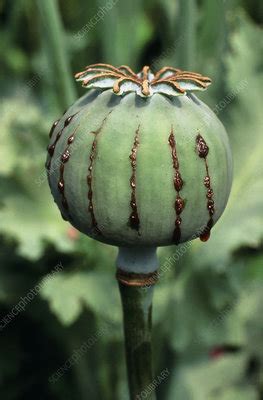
139,160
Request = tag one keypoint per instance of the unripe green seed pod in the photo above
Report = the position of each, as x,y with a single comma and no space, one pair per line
139,160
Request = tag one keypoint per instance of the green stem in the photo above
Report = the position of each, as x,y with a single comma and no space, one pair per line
137,317
214,42
187,23
54,33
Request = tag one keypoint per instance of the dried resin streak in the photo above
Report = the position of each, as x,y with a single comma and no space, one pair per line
93,153
203,150
178,184
64,159
134,220
51,148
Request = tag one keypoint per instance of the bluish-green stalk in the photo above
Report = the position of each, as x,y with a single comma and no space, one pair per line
53,30
137,319
187,25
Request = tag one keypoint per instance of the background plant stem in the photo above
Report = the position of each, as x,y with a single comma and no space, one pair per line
187,25
137,318
53,30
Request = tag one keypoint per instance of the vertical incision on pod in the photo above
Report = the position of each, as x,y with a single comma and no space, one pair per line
134,220
51,148
92,157
178,184
64,159
203,151
53,128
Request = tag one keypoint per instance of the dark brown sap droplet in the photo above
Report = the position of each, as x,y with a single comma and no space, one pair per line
61,185
210,204
179,205
202,147
53,127
178,221
134,220
65,156
133,205
71,139
205,236
132,182
178,182
207,181
51,149
209,194
68,120
133,155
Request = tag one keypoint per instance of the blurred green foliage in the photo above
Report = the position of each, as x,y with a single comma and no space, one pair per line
208,305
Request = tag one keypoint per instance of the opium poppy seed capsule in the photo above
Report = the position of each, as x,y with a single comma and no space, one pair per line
140,164
134,164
